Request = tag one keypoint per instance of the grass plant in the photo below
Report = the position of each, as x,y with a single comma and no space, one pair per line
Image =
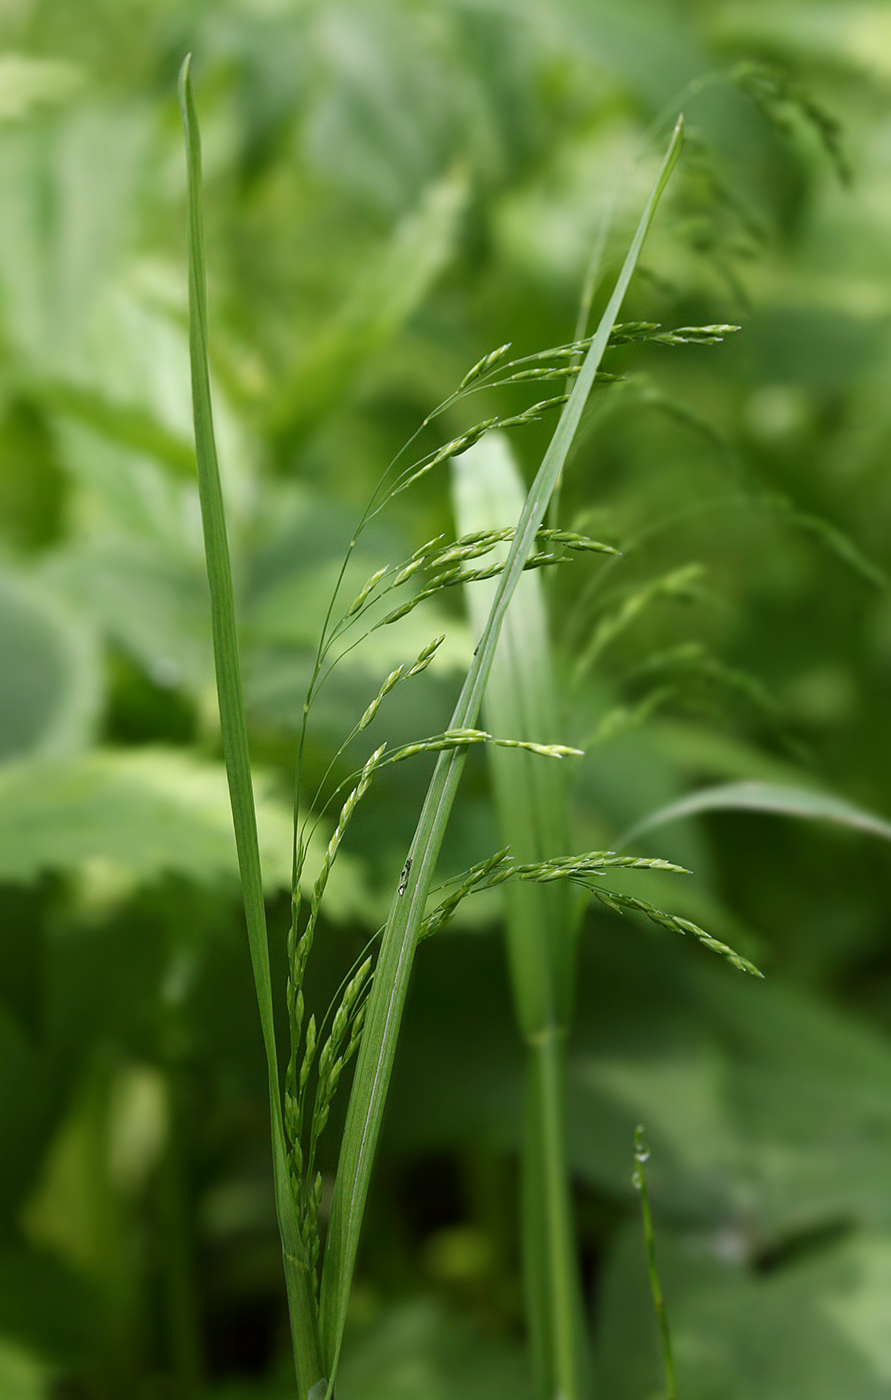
391,190
501,538
318,1335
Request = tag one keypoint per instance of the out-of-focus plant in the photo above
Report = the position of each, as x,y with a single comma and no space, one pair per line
390,192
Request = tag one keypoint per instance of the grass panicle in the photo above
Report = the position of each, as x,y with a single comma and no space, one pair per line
673,923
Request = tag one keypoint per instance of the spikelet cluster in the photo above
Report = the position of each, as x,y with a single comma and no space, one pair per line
336,1053
585,871
299,949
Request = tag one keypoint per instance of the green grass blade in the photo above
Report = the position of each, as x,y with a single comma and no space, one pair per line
387,999
233,728
531,802
521,703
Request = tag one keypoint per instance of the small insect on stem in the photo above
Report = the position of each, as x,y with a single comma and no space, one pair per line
403,878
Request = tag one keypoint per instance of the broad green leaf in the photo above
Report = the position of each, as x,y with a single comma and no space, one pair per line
129,424
148,600
813,1324
419,1352
120,818
768,798
69,186
759,1103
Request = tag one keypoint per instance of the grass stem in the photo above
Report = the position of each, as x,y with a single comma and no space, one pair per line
641,1155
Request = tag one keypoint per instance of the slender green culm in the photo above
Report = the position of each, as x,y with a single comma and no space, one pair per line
235,749
639,1180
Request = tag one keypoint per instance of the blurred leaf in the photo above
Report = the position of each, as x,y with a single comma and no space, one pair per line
149,600
131,816
129,424
50,680
766,797
857,35
419,1352
767,1110
26,83
44,1306
390,287
814,1326
22,1376
69,190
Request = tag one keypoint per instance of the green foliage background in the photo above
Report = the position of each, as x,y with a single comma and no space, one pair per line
393,189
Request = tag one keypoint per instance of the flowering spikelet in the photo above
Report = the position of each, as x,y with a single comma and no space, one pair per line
546,750
300,949
451,449
425,656
392,680
308,1053
451,739
483,366
335,1055
622,903
364,593
408,570
478,875
346,812
472,546
542,372
533,413
570,540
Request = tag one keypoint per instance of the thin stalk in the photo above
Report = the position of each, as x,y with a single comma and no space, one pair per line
553,1285
641,1155
233,727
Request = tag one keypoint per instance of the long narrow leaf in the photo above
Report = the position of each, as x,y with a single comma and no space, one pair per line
235,744
531,804
765,797
373,1071
530,796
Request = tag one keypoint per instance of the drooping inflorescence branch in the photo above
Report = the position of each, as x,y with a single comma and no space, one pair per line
438,565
